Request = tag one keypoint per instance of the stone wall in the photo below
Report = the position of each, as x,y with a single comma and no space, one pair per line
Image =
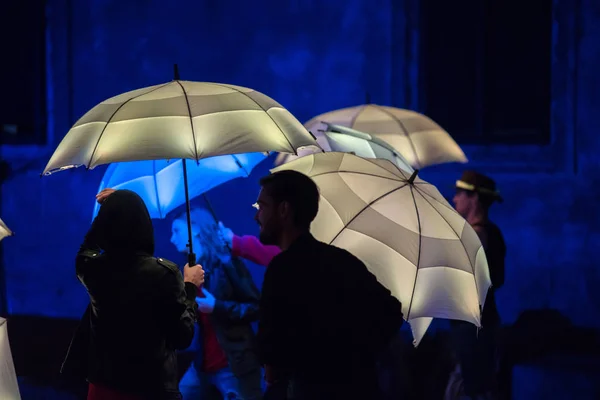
312,57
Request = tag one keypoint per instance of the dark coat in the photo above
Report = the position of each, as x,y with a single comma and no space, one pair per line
324,319
476,350
140,310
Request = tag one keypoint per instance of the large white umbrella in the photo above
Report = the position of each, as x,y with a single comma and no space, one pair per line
4,231
406,233
346,140
418,138
179,120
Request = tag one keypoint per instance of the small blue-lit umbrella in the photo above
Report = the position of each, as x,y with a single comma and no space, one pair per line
161,182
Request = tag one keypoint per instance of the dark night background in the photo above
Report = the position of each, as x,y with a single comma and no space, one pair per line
516,83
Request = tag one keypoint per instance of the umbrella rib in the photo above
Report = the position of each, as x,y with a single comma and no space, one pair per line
401,124
399,169
423,193
364,208
355,117
418,254
113,115
357,173
458,237
187,102
266,112
239,163
156,188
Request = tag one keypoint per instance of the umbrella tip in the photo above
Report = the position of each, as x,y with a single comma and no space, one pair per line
412,178
175,72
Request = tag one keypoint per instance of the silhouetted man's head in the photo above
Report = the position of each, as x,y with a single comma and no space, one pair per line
288,202
475,191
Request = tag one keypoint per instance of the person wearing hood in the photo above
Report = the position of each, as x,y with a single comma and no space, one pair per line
142,310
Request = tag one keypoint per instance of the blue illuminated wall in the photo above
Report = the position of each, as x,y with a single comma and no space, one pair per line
312,56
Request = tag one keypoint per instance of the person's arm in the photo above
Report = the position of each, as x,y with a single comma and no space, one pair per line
496,261
495,256
177,306
245,306
497,271
89,250
91,239
250,248
90,247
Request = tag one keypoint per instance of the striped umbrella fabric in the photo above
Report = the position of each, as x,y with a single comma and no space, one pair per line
346,140
418,138
4,231
406,233
179,120
9,385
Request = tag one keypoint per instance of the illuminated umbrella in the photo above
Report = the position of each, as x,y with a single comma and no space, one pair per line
4,231
419,139
346,140
406,233
9,385
160,182
179,120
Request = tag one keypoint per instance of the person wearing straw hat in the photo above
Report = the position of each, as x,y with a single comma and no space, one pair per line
475,194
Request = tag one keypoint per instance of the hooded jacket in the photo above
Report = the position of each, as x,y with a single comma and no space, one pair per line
140,310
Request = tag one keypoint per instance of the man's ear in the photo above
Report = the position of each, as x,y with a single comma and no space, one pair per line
284,209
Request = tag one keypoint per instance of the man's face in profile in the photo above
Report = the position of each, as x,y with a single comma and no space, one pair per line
268,218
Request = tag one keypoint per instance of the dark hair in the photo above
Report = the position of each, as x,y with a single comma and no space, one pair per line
296,189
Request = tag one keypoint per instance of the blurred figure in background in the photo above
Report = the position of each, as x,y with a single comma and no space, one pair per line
226,356
475,351
248,247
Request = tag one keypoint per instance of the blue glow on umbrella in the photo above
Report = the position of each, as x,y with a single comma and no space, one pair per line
160,183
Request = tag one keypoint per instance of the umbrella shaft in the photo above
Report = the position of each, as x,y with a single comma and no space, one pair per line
191,257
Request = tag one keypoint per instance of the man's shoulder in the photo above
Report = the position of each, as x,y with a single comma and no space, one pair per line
338,252
280,258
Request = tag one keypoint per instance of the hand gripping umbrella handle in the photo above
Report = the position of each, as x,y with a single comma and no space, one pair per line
191,259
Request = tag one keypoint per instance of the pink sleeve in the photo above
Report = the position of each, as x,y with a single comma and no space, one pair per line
250,248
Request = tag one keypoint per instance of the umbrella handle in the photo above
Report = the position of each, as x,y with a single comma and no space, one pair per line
191,259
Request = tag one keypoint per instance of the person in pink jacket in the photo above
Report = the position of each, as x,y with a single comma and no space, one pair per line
248,247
